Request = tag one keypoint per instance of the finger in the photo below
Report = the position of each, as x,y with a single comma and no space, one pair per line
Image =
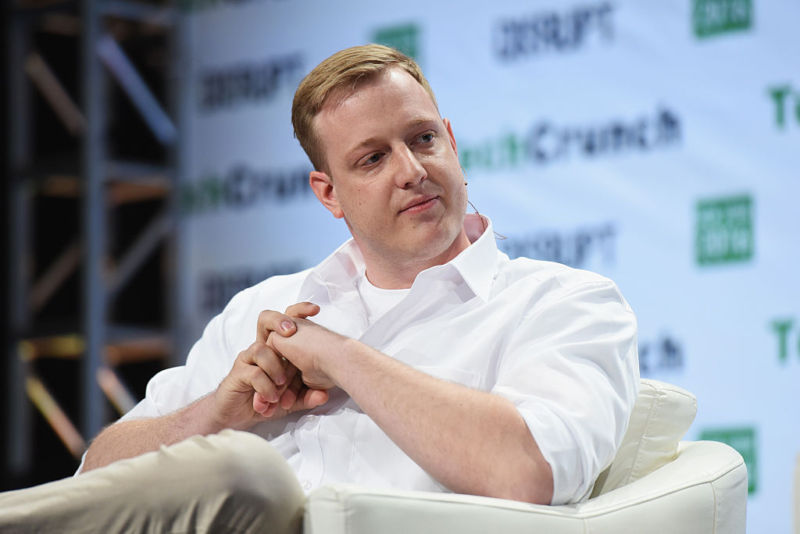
270,363
261,385
314,398
287,393
247,376
260,404
309,398
272,321
302,310
289,397
290,370
270,411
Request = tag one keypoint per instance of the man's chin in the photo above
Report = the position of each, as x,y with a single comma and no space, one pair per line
440,246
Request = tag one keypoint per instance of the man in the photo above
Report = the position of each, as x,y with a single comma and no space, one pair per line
417,355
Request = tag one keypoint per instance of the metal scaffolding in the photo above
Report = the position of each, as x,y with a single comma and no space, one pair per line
100,179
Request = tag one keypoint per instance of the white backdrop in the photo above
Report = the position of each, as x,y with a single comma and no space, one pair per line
657,143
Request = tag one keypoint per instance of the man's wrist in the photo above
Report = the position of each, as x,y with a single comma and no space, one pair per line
206,415
347,362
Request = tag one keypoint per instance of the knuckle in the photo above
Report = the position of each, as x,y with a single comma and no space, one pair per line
246,353
254,373
263,359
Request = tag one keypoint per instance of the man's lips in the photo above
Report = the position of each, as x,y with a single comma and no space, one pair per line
420,203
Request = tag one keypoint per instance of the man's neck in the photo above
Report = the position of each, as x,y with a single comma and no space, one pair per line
391,273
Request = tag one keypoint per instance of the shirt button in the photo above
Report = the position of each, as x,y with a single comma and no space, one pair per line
306,485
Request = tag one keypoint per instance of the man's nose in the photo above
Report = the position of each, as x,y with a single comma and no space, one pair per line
408,171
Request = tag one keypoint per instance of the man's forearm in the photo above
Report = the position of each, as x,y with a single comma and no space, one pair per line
471,441
132,438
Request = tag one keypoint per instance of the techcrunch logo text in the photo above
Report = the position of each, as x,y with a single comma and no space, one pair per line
243,187
785,330
786,101
715,17
190,6
724,230
659,355
248,83
546,142
553,32
578,248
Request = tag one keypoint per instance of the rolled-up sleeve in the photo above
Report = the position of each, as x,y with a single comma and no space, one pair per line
571,369
208,362
176,387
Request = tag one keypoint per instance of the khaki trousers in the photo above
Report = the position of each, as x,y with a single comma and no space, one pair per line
229,482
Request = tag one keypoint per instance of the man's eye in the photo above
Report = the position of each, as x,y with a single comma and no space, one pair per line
426,137
372,159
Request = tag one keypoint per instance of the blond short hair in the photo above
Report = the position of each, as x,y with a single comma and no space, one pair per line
345,70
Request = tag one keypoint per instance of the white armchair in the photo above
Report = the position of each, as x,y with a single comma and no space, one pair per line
655,484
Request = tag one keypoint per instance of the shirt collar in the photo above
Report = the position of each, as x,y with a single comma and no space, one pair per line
477,264
338,274
335,275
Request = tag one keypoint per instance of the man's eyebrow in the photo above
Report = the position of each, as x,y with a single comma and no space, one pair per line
419,122
410,125
366,143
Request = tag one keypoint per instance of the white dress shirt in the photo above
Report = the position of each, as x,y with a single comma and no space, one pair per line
559,343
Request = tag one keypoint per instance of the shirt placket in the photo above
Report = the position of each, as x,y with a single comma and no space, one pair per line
311,469
342,312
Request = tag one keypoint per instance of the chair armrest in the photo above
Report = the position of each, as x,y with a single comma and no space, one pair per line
703,490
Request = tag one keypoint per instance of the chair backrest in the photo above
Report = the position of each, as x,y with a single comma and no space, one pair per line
660,418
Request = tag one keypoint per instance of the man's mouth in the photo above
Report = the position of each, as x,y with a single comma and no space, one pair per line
420,204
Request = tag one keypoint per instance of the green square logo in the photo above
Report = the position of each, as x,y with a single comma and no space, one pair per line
714,17
724,230
744,441
404,37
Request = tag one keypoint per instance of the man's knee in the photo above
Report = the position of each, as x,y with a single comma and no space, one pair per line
232,481
239,462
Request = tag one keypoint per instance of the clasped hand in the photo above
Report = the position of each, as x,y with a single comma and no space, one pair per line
279,373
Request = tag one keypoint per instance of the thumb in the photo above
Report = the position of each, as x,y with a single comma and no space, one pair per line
314,398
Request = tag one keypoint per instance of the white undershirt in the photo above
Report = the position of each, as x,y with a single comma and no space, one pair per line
378,301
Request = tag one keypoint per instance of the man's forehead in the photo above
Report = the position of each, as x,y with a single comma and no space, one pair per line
392,79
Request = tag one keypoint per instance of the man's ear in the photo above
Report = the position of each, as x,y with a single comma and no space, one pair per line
450,134
322,185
